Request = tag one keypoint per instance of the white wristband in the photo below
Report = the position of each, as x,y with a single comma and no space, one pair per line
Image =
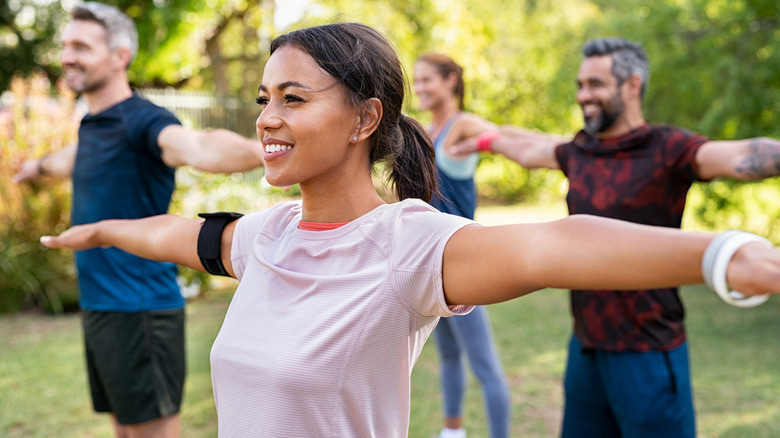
716,260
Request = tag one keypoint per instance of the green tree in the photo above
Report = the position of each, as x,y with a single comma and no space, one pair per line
714,70
27,30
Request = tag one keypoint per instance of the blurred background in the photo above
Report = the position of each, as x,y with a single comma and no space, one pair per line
715,69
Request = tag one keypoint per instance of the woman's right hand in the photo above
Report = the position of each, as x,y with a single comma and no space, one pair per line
77,237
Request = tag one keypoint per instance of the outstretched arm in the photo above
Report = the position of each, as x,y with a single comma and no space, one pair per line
466,126
484,265
529,149
217,150
166,238
751,159
58,164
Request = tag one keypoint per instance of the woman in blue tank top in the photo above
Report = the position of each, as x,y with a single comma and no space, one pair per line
438,84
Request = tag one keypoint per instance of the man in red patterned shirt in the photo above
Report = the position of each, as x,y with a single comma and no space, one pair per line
628,370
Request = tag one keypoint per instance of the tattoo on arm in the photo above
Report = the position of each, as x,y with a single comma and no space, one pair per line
762,160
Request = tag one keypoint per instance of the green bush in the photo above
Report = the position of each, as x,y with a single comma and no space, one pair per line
725,204
503,181
33,124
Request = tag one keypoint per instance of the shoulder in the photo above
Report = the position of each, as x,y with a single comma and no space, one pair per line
675,136
416,224
142,109
274,220
466,118
670,130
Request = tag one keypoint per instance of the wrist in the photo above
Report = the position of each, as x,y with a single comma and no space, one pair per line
485,141
715,263
41,169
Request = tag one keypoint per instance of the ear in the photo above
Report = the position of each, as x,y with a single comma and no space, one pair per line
368,119
451,80
634,86
121,57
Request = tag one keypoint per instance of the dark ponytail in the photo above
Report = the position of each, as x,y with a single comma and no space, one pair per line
363,61
413,167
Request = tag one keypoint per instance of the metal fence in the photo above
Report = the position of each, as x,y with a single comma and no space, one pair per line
202,110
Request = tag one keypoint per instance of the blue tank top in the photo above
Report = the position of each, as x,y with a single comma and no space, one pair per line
119,174
455,178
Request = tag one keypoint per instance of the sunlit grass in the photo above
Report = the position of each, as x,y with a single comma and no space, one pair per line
734,354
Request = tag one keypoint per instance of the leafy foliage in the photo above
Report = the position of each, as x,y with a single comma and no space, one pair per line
31,275
714,70
27,30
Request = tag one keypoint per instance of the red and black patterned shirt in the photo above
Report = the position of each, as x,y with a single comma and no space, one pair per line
641,177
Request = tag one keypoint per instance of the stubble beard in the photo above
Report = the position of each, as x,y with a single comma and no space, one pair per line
606,117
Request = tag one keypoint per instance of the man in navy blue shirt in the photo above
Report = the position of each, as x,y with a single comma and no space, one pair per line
123,168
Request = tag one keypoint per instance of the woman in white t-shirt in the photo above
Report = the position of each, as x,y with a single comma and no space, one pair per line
339,291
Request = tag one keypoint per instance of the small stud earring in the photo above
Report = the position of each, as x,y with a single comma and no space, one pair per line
354,138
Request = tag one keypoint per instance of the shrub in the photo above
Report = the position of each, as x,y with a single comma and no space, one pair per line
34,122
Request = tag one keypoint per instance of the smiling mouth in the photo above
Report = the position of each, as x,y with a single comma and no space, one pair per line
590,109
271,148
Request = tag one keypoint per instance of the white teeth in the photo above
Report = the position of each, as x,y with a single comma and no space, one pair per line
276,148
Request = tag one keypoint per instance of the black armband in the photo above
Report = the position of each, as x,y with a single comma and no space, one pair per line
210,240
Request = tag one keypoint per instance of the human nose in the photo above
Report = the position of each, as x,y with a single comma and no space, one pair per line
269,118
417,87
584,94
66,55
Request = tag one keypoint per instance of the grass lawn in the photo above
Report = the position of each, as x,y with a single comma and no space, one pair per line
734,352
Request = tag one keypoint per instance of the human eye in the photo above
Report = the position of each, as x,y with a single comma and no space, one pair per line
291,98
262,101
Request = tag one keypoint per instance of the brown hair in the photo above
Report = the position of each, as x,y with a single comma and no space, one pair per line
363,61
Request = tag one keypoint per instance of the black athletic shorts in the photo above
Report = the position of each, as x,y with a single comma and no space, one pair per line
135,363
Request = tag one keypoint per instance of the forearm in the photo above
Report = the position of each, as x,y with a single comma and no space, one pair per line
163,238
60,164
750,159
224,151
57,164
492,264
219,150
762,159
529,149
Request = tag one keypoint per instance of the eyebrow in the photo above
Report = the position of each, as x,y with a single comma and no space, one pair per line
284,85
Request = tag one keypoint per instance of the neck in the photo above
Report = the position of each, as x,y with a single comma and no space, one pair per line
109,95
443,112
343,207
340,198
628,122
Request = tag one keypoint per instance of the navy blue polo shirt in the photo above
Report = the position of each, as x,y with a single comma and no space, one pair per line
119,174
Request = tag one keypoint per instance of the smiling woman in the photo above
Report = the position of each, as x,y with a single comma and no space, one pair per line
310,130
339,291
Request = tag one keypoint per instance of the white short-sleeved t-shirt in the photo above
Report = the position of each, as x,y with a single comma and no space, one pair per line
325,326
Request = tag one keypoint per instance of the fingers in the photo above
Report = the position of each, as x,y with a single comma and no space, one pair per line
755,269
78,237
28,171
50,242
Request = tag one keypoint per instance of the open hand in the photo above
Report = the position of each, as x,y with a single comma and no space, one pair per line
77,237
27,171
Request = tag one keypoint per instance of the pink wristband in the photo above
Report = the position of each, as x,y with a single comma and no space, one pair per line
485,139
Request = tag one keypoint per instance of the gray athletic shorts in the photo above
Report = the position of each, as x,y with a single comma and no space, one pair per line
135,363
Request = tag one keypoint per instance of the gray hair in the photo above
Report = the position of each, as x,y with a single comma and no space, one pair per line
120,28
628,58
